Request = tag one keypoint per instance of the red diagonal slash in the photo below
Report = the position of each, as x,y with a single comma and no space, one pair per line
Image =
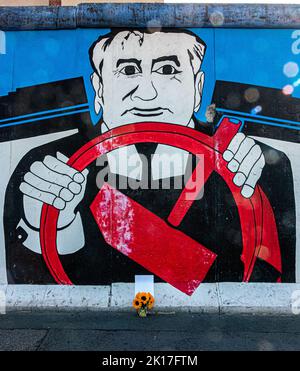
220,142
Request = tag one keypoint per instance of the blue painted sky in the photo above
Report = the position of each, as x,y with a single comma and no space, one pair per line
248,56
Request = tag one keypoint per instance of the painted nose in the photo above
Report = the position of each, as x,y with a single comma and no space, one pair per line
146,91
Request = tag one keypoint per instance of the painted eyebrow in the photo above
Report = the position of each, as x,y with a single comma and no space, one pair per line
172,58
130,60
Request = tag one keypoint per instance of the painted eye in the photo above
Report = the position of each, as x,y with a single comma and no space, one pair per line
130,70
167,69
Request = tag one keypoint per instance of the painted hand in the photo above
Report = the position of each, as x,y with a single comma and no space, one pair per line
245,158
53,182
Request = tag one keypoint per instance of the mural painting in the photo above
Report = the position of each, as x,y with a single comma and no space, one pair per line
134,168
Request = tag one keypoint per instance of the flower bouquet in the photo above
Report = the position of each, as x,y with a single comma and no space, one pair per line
143,302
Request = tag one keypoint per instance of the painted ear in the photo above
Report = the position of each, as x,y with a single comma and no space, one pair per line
199,82
98,87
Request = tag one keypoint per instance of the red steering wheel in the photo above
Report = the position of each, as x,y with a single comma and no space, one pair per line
259,232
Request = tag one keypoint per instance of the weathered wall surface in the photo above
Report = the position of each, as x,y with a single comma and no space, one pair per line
152,151
75,2
65,2
23,2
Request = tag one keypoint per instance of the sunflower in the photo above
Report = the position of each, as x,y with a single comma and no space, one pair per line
143,297
136,303
150,296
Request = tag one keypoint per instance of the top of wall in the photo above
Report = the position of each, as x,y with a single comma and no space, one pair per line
150,15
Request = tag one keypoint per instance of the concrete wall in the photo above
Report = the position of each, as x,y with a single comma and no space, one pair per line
67,2
23,2
76,2
100,133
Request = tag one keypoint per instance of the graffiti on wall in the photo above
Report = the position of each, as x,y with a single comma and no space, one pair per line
150,187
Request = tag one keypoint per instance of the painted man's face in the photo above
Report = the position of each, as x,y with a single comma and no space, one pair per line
148,80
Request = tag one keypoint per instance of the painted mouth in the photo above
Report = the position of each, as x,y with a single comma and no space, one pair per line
146,112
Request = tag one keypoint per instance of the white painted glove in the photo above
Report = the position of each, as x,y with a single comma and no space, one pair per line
53,182
245,158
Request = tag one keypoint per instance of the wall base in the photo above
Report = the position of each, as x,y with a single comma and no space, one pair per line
223,298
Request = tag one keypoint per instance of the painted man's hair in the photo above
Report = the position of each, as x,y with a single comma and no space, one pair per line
196,49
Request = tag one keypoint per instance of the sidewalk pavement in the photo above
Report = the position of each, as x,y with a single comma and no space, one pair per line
161,331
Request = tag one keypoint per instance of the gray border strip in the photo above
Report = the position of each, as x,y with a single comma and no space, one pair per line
222,298
106,15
